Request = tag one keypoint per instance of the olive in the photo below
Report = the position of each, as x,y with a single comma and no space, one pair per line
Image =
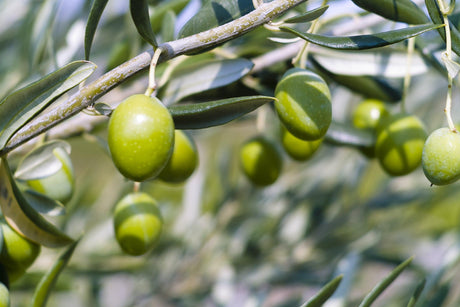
399,145
183,161
141,137
368,114
137,223
298,149
4,296
441,157
304,104
260,161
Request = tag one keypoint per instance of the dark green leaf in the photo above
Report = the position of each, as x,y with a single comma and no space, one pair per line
41,162
413,300
22,217
362,42
48,281
397,10
308,16
140,14
380,287
324,294
214,113
103,108
345,135
214,13
202,76
94,16
436,17
24,104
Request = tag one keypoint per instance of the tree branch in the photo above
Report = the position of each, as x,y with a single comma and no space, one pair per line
195,43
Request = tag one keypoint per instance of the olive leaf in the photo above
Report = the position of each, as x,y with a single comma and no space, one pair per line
48,281
24,104
345,135
94,16
396,10
308,16
362,42
22,217
168,26
324,294
418,291
42,203
214,113
41,161
156,18
140,13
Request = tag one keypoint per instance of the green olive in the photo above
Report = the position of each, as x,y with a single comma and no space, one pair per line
4,296
141,137
137,223
60,185
441,157
368,114
183,161
260,161
304,104
399,144
18,253
298,149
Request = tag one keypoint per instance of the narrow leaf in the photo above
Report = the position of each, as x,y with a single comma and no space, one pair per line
140,14
202,76
41,162
42,203
324,294
308,16
24,104
214,113
103,108
436,17
168,26
94,16
345,135
48,281
396,10
156,18
22,217
41,34
418,291
362,42
380,287
452,67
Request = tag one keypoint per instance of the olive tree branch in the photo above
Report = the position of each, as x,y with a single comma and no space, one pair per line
87,95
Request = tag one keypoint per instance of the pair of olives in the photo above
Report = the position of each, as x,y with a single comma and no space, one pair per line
144,144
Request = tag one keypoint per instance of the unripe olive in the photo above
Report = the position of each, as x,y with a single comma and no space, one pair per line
60,185
304,104
137,223
140,137
298,149
399,145
368,114
441,157
4,296
18,253
183,161
260,161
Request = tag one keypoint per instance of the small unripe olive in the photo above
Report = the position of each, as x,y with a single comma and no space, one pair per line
368,114
141,137
260,161
4,296
18,253
399,145
183,161
441,157
304,104
60,185
298,149
137,223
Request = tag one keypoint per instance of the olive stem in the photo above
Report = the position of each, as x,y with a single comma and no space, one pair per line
153,64
191,44
136,186
407,77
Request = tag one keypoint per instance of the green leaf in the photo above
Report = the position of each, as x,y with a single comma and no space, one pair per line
42,203
308,16
41,161
156,18
24,104
103,109
362,42
168,27
418,291
324,294
215,13
22,217
436,17
396,10
41,33
94,16
385,63
140,14
214,113
380,287
120,53
48,281
345,135
202,76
